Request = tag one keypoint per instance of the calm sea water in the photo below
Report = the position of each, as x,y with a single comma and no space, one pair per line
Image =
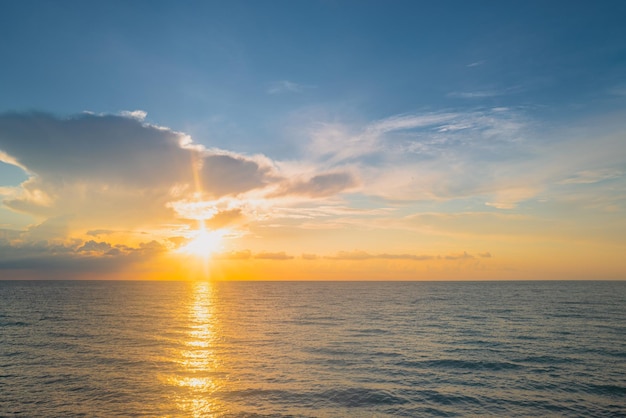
312,349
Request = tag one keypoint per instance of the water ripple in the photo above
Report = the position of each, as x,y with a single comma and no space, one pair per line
272,349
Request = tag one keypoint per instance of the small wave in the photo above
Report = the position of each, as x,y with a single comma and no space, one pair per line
14,324
368,331
328,351
359,397
12,353
448,398
546,360
460,364
348,397
608,390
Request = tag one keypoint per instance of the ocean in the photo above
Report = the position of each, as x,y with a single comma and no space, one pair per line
312,349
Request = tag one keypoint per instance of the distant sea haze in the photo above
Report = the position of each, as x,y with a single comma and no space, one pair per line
312,349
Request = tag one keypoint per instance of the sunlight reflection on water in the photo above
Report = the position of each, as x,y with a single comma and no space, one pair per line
198,363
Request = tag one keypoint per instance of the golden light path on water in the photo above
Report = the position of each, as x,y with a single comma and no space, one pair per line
199,366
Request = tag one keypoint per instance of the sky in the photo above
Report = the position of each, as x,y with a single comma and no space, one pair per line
313,140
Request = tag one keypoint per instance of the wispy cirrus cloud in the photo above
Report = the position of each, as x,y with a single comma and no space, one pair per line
592,176
485,93
476,63
423,133
477,94
500,155
286,86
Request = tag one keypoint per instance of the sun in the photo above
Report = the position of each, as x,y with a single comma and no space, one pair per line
203,244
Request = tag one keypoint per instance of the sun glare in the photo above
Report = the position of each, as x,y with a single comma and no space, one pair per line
203,244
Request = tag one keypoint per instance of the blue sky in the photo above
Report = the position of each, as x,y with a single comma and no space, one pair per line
236,73
355,117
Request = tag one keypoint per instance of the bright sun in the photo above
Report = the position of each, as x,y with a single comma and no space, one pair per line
203,244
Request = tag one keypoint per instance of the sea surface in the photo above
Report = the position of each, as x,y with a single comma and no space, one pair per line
312,349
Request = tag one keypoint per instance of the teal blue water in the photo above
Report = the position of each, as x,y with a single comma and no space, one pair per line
312,349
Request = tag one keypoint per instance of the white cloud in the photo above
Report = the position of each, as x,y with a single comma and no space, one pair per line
140,115
403,122
480,94
285,86
476,63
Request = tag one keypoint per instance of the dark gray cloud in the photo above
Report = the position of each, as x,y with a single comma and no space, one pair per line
50,260
97,247
98,232
226,174
96,149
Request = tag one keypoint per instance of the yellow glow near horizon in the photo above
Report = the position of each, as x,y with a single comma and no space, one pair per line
203,244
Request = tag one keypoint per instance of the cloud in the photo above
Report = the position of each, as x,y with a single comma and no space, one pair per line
224,218
476,63
500,155
98,232
320,185
135,114
592,176
510,197
224,174
338,143
95,180
362,255
273,256
481,94
54,260
285,86
115,171
408,121
52,228
442,156
93,246
492,134
462,256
